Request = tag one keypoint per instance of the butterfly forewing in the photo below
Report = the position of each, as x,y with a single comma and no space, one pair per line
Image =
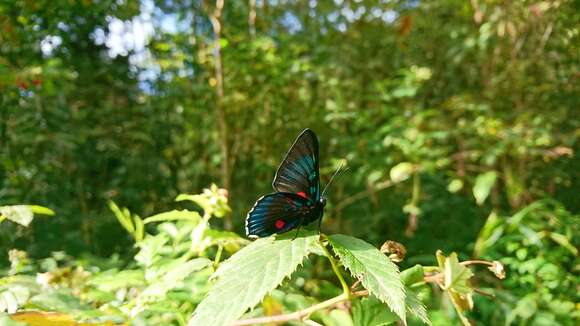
297,200
276,213
298,172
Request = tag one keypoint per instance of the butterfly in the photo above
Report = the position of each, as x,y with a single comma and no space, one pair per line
297,200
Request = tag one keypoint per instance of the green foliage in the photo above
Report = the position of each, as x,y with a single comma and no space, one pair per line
122,102
376,272
456,284
538,245
370,311
483,184
244,279
23,214
165,281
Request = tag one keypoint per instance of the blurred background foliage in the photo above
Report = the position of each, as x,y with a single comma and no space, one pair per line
458,120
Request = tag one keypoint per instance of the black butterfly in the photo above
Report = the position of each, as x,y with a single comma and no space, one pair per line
297,200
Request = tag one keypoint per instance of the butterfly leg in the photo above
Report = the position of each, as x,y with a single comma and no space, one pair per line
319,224
297,230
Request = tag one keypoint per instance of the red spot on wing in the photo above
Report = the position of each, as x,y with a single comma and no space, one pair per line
302,194
279,224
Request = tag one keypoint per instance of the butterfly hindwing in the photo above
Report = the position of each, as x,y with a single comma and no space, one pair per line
298,173
276,213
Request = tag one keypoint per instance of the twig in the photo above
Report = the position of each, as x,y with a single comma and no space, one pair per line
476,262
301,313
355,284
358,196
345,288
484,293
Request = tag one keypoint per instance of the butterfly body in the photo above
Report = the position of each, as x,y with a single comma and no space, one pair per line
297,200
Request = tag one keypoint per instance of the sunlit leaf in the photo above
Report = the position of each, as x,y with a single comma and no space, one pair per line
456,284
244,279
371,312
375,270
139,228
6,320
489,233
564,242
455,185
174,275
416,308
412,275
483,185
457,276
173,215
122,217
401,172
62,301
149,249
36,209
113,280
45,318
21,214
12,297
336,317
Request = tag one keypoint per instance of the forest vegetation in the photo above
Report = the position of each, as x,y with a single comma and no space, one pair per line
135,136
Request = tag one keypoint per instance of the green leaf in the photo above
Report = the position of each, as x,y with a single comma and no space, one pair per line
36,209
174,275
123,217
416,307
173,215
456,284
5,320
526,307
371,312
21,214
112,280
139,228
61,301
337,317
401,172
483,185
457,276
455,185
375,270
231,241
489,234
412,275
13,297
150,248
564,242
251,273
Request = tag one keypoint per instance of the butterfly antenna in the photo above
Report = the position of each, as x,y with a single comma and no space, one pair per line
334,175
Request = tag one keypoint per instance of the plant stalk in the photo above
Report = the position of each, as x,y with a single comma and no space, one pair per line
345,287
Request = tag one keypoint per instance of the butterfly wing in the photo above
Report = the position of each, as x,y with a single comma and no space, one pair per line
276,213
298,173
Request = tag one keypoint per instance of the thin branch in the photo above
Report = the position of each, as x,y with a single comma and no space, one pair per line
545,37
484,293
476,262
355,284
252,17
358,196
345,288
214,17
298,315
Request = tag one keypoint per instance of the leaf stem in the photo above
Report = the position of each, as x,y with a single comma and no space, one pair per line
218,256
345,287
301,313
